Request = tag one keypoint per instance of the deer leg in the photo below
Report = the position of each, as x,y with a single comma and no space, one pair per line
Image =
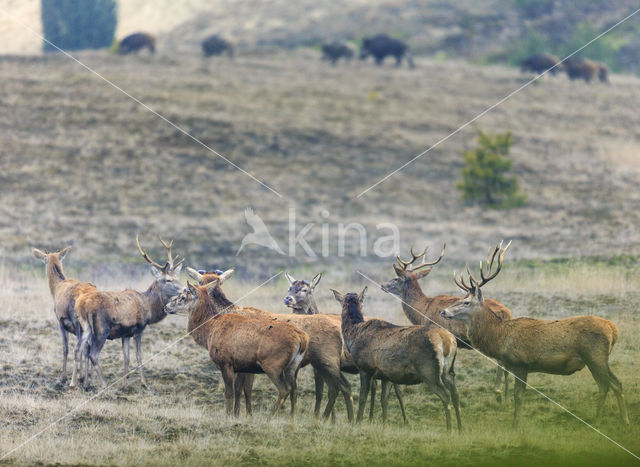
80,351
518,390
95,349
449,380
139,357
365,385
506,386
248,388
65,352
384,399
442,392
125,354
616,386
345,388
332,380
374,388
398,392
238,388
497,384
319,383
229,378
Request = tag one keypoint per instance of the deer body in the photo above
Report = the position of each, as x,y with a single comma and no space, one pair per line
400,354
64,293
422,309
243,344
324,353
124,314
527,345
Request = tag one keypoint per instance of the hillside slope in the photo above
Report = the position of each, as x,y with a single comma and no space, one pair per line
81,163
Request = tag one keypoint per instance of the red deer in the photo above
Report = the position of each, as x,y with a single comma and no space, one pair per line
526,345
243,344
422,309
300,300
400,354
325,351
64,292
136,42
125,314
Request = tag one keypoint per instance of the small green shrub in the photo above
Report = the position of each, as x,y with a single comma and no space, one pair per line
484,176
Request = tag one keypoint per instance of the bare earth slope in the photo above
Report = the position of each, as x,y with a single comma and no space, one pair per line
80,162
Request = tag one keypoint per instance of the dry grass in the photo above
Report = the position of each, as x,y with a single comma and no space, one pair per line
180,419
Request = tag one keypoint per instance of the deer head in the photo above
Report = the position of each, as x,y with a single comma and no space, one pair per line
473,301
185,301
166,275
300,295
406,272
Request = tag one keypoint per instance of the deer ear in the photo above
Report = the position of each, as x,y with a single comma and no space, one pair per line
192,289
195,275
315,280
362,294
41,255
63,253
399,270
289,278
338,296
424,273
226,275
157,273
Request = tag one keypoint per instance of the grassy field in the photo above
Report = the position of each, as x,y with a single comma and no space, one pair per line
180,417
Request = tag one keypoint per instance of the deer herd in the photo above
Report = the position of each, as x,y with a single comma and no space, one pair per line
245,341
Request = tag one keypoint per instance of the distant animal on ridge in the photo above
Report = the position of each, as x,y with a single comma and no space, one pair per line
588,70
136,42
334,51
539,63
381,46
216,45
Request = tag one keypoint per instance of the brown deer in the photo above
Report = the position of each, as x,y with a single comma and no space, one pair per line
64,292
400,354
422,309
526,345
300,299
325,351
243,344
125,314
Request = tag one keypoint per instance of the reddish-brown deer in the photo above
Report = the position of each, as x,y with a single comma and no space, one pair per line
526,345
422,309
125,314
64,292
300,299
243,344
399,354
325,351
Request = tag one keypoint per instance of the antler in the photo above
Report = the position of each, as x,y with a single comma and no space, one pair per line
168,247
485,275
406,264
146,256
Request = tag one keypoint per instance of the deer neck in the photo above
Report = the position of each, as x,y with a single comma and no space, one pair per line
351,318
202,319
55,275
486,332
155,303
308,309
414,302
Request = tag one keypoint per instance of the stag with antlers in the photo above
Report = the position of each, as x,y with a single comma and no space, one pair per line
526,345
125,314
422,309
